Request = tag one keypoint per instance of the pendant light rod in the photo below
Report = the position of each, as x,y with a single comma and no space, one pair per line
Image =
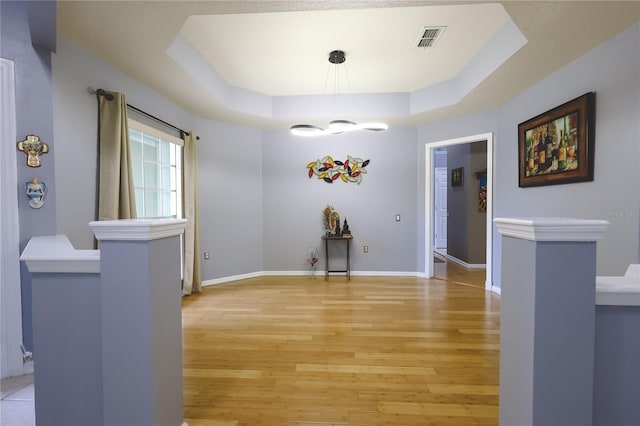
336,127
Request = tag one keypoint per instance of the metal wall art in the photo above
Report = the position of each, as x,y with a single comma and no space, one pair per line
33,147
328,169
36,191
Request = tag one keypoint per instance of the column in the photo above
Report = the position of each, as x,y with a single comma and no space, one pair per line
547,320
66,332
141,321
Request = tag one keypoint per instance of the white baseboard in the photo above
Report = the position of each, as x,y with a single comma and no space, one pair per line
465,264
231,278
319,273
496,290
386,274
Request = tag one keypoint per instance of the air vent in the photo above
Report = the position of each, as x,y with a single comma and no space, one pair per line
430,36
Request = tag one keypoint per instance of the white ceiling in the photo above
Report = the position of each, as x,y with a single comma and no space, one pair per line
380,47
255,62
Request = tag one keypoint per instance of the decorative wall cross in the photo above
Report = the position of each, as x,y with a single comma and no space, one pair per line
33,147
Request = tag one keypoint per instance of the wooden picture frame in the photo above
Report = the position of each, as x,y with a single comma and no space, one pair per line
457,176
557,146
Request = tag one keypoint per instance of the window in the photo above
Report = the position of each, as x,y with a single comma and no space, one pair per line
157,171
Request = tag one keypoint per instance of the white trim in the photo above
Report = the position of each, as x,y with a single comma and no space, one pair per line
291,273
141,127
619,291
319,274
429,201
496,290
465,264
384,273
137,229
552,228
10,296
231,278
55,254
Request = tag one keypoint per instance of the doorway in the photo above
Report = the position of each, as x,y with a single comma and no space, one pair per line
440,213
430,149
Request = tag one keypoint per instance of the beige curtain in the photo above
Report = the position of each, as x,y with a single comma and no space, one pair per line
191,281
116,199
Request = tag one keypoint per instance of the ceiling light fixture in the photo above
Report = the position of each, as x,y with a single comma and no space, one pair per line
336,127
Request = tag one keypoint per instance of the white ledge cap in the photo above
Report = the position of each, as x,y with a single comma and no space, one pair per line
621,291
552,228
137,229
55,254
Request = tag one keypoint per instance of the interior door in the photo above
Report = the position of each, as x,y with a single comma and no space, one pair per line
440,208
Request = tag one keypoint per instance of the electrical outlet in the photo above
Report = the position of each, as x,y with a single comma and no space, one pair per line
397,218
206,255
366,249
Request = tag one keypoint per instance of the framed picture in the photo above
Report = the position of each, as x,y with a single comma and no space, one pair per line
557,146
457,176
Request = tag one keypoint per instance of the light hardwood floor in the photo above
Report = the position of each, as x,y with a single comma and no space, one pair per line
371,351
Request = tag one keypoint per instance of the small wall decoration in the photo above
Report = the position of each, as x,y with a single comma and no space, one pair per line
457,176
482,194
557,146
328,169
36,191
33,147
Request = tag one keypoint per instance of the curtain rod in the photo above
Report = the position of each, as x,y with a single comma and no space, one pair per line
109,97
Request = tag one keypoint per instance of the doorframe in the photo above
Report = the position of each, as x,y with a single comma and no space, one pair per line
435,238
10,301
430,201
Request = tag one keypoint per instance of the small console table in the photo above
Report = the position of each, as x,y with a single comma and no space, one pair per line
327,271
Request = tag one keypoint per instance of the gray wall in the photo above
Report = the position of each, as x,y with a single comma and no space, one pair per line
485,122
68,347
476,221
466,226
612,71
141,344
34,116
74,70
546,333
229,162
616,370
440,156
230,166
458,203
293,203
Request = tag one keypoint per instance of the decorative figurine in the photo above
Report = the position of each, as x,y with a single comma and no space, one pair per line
335,223
345,229
36,191
326,218
33,147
